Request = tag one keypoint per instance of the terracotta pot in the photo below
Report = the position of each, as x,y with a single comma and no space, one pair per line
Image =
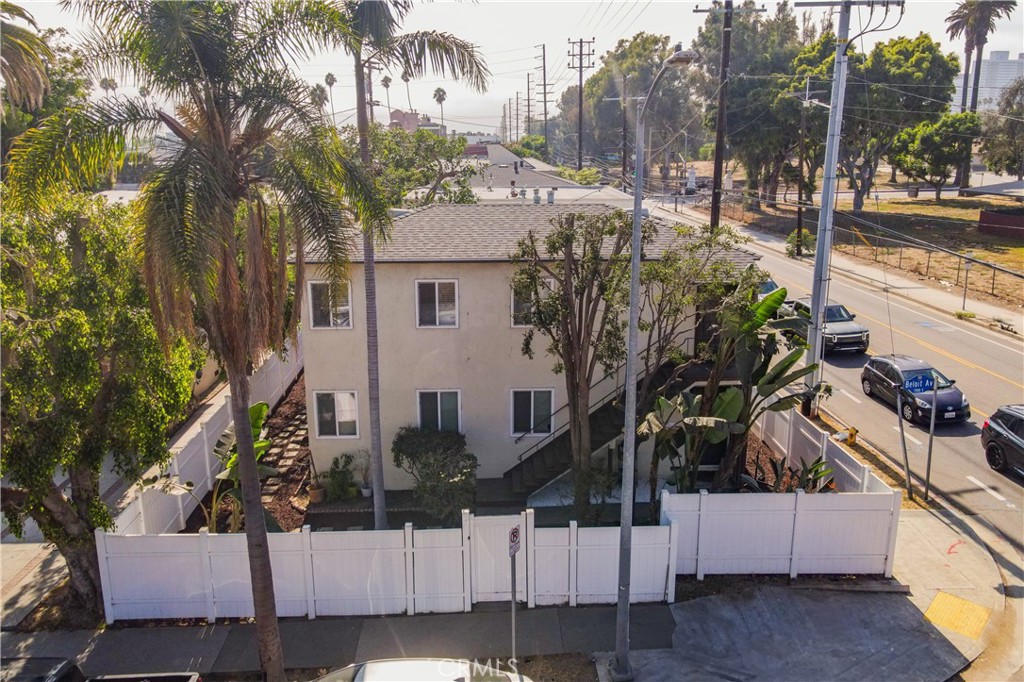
316,493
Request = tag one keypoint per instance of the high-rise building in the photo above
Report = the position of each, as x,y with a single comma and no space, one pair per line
997,72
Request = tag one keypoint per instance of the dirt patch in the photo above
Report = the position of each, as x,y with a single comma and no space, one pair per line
60,610
559,668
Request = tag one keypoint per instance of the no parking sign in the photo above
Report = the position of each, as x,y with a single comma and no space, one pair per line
513,541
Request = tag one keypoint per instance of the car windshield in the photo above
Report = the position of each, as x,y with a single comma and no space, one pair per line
920,380
837,313
769,286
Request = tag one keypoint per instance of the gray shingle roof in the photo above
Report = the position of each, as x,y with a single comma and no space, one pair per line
486,232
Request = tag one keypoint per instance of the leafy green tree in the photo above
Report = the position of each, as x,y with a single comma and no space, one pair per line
763,130
24,55
411,161
581,315
586,176
897,85
247,142
69,85
84,374
442,466
930,151
368,31
1002,145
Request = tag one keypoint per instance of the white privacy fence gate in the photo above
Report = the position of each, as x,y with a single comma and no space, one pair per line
360,573
155,511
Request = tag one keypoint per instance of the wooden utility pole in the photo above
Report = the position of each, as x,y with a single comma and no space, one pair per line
723,89
544,94
582,62
517,116
527,103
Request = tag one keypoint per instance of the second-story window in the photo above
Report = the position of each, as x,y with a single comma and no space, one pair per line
522,303
329,312
437,303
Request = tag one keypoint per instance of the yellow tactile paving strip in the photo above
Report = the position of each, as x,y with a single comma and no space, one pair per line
958,615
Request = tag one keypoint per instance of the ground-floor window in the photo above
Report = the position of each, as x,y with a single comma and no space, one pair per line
337,414
531,411
440,410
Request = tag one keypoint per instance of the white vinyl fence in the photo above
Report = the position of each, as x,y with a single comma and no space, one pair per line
360,573
154,511
852,531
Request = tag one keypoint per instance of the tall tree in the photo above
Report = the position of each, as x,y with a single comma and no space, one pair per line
440,96
958,24
318,96
108,85
368,31
22,58
1002,144
931,151
984,14
586,258
329,81
84,375
386,83
408,95
248,141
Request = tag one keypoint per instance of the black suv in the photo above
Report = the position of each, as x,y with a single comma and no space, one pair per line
840,332
1002,436
885,375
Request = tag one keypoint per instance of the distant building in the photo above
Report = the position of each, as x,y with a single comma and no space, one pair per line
997,72
410,121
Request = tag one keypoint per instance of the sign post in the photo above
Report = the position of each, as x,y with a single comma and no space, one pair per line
513,549
931,440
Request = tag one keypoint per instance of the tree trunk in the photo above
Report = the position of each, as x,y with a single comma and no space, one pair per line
967,83
268,635
938,192
965,171
579,434
84,571
380,516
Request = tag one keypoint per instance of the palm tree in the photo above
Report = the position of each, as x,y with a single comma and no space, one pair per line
386,83
980,17
369,31
249,142
21,58
108,85
440,96
406,78
958,24
318,96
330,80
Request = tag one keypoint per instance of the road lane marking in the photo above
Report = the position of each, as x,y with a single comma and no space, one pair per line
908,436
984,487
849,395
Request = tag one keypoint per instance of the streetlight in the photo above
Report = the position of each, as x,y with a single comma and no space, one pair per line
680,58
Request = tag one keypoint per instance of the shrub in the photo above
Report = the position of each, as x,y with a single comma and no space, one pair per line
585,176
964,315
445,472
339,483
806,243
706,152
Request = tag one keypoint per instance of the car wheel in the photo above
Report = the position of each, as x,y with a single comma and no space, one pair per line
866,385
995,457
908,412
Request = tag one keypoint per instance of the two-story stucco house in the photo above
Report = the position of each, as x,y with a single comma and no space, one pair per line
450,341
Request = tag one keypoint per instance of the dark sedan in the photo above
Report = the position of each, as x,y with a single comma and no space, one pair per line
916,382
1002,436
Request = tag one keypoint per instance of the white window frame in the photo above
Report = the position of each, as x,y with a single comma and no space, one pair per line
549,281
316,413
419,415
334,310
512,413
416,303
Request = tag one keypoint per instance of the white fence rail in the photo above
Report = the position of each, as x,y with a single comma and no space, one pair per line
154,511
359,573
852,531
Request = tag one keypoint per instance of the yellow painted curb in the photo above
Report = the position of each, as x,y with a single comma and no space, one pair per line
958,615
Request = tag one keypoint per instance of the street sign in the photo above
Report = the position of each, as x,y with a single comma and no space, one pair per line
919,383
513,541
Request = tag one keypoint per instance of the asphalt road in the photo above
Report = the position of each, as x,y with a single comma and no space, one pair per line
988,367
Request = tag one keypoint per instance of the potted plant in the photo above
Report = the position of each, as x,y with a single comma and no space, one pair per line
316,491
362,468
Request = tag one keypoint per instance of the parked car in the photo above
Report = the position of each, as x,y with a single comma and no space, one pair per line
767,287
1002,436
42,669
886,375
840,332
427,670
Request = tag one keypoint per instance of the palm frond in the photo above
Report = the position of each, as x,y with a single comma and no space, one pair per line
440,53
375,23
294,28
76,147
22,55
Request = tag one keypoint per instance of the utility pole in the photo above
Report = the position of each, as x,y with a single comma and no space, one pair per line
510,120
823,253
544,91
527,103
622,93
723,89
583,62
517,116
370,68
504,123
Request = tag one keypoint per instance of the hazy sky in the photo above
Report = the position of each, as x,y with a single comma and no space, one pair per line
509,34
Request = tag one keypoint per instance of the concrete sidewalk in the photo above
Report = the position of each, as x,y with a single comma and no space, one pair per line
946,607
